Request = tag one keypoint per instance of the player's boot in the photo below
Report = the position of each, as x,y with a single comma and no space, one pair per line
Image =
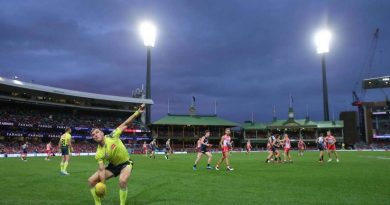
229,169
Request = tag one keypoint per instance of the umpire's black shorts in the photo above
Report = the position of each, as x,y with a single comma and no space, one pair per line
116,170
65,150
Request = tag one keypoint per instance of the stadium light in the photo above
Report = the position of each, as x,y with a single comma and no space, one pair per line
322,40
148,32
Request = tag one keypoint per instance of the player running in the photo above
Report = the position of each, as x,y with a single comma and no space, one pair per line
301,147
153,146
168,148
23,156
203,143
331,146
111,149
48,151
287,146
248,147
65,145
145,149
321,146
226,144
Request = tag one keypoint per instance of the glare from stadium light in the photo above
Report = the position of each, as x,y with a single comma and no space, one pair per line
386,79
148,33
2,79
322,40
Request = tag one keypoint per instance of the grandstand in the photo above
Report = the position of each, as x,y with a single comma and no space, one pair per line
38,114
376,125
306,129
185,130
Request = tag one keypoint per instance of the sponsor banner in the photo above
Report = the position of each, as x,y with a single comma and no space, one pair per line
7,123
132,130
45,126
25,125
44,154
385,136
159,152
179,152
81,128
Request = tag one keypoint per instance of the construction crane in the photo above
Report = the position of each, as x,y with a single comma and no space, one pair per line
356,101
366,73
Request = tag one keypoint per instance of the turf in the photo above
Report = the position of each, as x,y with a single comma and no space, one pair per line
359,178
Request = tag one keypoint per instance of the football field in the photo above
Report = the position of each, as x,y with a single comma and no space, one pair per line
359,178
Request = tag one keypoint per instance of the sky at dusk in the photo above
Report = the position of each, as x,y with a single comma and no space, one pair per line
249,56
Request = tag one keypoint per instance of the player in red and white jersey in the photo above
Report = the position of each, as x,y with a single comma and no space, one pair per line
248,147
331,146
48,151
301,147
145,149
24,152
226,144
287,146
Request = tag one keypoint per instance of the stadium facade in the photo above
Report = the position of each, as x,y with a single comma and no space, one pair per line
376,121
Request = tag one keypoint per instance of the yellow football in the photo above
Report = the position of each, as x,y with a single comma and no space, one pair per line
100,189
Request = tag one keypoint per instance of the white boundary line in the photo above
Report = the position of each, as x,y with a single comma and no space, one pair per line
93,153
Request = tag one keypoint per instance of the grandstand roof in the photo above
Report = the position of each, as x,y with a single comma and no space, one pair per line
16,84
201,120
254,126
276,123
330,124
307,123
301,123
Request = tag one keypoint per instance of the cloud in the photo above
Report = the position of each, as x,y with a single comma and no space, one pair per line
249,57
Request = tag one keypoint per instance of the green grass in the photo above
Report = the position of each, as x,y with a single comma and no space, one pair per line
359,178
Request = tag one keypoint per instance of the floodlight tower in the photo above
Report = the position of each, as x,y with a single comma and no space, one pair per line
148,33
322,40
